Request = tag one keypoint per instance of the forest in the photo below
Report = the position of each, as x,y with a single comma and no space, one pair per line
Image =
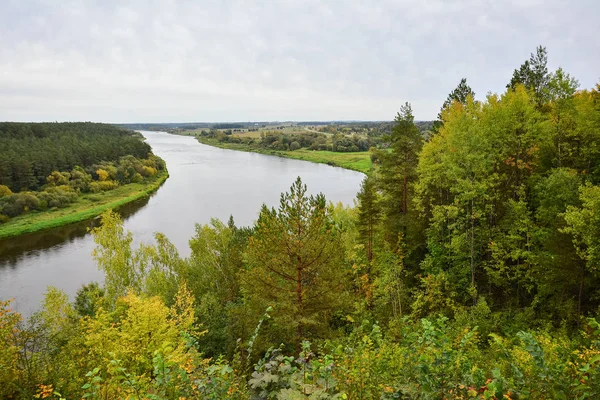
48,165
468,269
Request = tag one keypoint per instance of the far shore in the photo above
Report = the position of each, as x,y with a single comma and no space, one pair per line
88,206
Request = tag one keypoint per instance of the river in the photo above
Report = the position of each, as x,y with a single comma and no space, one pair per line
204,182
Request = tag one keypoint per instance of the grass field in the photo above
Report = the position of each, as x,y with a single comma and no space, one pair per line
86,207
359,161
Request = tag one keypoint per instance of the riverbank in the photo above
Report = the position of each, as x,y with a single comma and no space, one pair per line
87,206
356,161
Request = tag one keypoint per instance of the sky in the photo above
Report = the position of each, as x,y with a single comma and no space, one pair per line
275,60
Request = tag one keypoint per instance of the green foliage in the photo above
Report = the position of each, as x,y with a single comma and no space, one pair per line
369,213
533,74
60,161
584,224
460,94
476,252
84,208
88,299
10,376
294,265
212,272
31,152
398,176
115,257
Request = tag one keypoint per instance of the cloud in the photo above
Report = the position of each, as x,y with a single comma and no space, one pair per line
125,61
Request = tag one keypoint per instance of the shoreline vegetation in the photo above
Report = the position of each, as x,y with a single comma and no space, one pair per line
355,161
54,174
87,206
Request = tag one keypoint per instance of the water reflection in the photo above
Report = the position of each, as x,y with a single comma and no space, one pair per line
30,244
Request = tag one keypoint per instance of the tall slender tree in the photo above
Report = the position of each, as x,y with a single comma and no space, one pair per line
294,264
369,213
533,74
398,172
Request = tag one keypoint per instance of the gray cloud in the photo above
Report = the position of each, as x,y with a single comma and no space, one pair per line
219,60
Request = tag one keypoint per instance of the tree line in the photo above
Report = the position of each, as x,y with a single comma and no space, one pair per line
31,151
295,141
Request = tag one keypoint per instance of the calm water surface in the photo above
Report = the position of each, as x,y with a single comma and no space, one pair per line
204,182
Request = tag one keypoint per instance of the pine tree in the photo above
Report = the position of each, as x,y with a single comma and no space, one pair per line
295,265
398,172
369,212
460,94
533,74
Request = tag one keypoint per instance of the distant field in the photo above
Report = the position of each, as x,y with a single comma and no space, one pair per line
251,134
359,161
256,133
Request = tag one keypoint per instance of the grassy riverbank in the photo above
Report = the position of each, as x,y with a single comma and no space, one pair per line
357,161
87,206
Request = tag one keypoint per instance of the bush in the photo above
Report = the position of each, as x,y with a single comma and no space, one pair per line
103,186
148,171
62,188
137,178
102,174
57,178
5,191
19,203
80,180
60,196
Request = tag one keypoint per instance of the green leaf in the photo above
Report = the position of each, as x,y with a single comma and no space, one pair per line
595,359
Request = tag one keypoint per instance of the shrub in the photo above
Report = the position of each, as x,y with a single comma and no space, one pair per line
80,180
59,196
148,171
103,186
5,191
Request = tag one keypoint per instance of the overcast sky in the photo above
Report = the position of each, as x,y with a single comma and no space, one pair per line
203,60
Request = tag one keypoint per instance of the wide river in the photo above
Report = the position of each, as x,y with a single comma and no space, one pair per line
204,182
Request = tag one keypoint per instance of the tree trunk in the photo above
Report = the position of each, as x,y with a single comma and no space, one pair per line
299,301
580,291
370,243
404,194
473,250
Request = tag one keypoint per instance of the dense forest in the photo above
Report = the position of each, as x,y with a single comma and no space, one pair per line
47,165
468,269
